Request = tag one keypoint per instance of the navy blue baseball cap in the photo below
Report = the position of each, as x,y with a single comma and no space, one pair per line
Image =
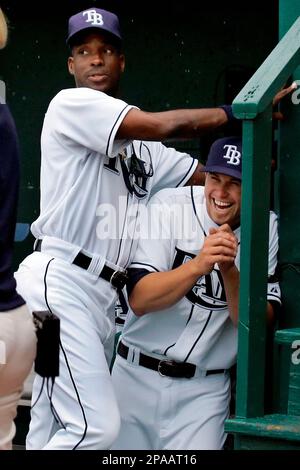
225,156
94,18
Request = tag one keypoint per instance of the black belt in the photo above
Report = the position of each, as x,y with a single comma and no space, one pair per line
167,367
117,279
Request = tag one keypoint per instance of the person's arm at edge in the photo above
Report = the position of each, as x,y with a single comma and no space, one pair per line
180,123
183,123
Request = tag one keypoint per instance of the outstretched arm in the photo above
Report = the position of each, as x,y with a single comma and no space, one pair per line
198,178
179,123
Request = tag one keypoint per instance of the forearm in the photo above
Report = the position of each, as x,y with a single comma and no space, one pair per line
232,284
157,291
190,123
231,279
175,124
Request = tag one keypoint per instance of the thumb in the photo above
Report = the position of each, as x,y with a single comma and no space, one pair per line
212,231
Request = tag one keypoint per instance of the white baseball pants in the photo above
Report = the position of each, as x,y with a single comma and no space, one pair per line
81,411
159,413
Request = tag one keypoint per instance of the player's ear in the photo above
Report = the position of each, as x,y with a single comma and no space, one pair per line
71,65
122,62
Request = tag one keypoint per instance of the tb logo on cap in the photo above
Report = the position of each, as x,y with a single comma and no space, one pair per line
93,17
232,155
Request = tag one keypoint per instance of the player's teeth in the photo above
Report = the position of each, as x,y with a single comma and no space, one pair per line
221,203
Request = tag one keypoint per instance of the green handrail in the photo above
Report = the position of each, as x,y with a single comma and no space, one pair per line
254,105
258,93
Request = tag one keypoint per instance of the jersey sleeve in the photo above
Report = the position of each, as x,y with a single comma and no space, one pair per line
172,168
88,118
154,251
274,293
135,275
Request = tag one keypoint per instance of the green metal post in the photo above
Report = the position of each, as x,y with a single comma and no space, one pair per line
287,181
252,428
254,106
254,264
289,10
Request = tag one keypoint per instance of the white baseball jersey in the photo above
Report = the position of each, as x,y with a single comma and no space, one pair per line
198,328
83,183
92,190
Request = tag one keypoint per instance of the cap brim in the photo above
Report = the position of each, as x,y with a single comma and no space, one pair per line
75,34
222,170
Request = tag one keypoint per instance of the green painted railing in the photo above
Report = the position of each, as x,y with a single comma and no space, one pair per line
254,105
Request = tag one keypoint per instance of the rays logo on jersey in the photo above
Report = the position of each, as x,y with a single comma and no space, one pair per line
136,172
209,291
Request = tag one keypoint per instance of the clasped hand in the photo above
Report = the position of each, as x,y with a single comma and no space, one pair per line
220,247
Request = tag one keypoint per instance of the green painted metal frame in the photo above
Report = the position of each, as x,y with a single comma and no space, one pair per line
254,105
257,94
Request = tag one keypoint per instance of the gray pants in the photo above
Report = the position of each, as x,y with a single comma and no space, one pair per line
17,353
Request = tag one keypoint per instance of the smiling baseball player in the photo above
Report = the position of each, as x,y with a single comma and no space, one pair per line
180,337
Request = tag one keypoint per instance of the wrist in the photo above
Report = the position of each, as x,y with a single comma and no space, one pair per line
196,268
228,269
227,108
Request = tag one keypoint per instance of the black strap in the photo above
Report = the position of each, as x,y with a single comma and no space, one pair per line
107,273
118,279
166,367
82,261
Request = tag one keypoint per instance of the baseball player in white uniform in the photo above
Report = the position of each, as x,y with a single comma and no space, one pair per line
101,159
180,337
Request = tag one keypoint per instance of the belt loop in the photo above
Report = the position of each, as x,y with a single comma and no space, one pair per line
96,265
134,356
130,353
200,372
35,244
